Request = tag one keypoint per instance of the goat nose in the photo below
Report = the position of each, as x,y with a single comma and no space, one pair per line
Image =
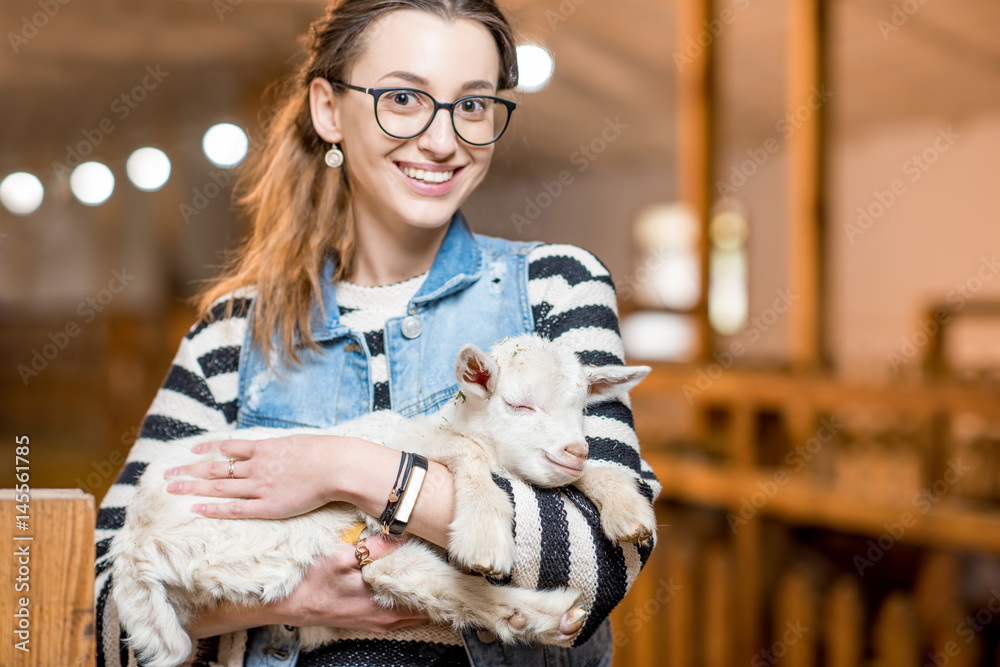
576,449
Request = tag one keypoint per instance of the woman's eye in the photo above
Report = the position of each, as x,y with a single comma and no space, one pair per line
473,106
403,98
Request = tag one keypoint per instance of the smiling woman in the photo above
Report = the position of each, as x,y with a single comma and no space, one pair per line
360,282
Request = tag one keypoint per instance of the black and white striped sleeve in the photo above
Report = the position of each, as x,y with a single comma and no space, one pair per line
558,531
198,395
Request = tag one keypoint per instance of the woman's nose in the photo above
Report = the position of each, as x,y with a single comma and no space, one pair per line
439,139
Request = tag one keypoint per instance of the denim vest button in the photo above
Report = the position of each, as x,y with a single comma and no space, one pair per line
486,636
411,327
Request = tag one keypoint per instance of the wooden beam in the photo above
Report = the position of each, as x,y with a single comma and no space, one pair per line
49,567
806,111
695,62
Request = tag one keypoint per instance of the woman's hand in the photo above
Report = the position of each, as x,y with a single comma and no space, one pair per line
277,478
332,594
295,474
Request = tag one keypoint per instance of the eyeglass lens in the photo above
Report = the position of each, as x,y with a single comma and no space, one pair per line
405,113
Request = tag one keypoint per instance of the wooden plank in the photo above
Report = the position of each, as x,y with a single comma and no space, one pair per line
682,610
804,76
800,501
749,571
825,392
896,633
695,137
719,607
52,573
794,640
844,624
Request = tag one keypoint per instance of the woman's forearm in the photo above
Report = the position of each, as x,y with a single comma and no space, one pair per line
367,476
228,617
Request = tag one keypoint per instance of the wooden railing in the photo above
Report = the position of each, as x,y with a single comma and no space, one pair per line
735,579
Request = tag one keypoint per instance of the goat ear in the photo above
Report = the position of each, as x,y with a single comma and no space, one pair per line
476,371
605,382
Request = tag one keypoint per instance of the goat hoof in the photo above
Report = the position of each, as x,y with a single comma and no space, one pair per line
572,621
485,568
517,621
637,534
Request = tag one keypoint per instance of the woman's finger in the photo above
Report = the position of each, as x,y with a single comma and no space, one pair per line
219,488
207,470
237,449
237,509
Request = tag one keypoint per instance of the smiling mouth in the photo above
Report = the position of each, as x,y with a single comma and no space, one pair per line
428,176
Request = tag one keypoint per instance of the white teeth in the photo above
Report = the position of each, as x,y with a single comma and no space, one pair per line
428,176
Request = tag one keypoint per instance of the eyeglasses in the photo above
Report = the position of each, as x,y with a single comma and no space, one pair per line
404,113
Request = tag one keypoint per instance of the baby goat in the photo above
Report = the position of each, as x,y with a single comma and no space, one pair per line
519,412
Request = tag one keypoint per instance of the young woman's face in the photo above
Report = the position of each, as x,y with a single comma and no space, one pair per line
448,60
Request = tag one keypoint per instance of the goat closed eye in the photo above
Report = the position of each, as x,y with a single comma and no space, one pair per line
519,408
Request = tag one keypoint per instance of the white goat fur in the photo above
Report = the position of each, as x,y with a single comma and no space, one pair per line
169,561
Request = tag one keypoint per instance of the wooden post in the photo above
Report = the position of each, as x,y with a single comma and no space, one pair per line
49,569
896,633
794,640
805,105
719,607
844,624
682,610
695,132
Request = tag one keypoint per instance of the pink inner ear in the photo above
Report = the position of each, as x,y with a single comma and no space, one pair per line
598,388
482,374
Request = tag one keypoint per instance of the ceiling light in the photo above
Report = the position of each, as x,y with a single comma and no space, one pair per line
92,183
225,144
21,193
148,168
534,68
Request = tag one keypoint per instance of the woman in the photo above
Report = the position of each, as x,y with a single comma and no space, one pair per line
360,282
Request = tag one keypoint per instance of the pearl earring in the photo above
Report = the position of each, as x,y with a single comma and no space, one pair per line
334,158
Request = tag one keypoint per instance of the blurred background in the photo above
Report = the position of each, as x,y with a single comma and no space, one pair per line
797,200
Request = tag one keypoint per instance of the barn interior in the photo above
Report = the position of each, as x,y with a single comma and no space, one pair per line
797,202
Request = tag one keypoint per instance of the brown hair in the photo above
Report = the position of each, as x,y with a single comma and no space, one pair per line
299,209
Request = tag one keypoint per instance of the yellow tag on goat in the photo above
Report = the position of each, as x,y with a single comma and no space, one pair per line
352,534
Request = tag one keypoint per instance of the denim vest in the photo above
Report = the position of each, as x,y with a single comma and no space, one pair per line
476,292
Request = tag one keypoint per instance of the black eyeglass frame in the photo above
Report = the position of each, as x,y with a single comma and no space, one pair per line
376,93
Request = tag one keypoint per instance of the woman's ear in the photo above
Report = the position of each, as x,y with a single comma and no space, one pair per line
324,105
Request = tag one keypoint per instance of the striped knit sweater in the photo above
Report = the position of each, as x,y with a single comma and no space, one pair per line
557,531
